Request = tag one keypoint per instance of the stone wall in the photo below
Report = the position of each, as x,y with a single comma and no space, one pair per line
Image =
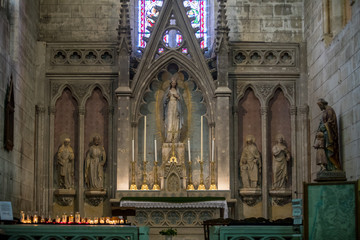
333,74
74,20
18,36
265,20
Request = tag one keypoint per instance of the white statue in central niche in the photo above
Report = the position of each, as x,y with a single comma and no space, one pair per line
173,112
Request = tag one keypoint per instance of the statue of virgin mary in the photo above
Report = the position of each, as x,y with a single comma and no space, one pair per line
173,112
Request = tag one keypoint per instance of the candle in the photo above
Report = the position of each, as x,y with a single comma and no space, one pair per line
133,150
213,149
155,150
144,138
201,138
189,149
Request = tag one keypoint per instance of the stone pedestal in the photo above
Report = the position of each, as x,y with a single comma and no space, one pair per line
65,197
324,176
250,196
95,197
280,196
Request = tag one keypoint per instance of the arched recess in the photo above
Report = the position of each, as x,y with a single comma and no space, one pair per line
249,118
96,119
203,80
65,122
279,123
151,106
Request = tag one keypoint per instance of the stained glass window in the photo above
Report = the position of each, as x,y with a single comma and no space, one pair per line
198,11
147,10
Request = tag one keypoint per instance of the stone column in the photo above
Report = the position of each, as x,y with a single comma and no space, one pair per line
41,166
293,111
264,171
124,138
222,137
79,164
304,163
51,157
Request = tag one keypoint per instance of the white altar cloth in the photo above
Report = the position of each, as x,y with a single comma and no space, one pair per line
202,204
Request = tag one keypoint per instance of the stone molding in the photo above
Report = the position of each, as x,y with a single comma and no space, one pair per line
82,55
264,54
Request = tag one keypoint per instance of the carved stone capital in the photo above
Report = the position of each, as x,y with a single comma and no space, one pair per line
52,110
293,110
303,110
81,110
264,111
40,109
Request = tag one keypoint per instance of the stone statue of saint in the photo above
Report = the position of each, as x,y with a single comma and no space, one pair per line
250,163
280,156
328,126
173,112
65,162
94,165
319,145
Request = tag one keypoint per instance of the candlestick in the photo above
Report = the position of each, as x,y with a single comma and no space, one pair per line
156,185
133,185
190,185
201,138
144,138
133,150
201,185
144,186
212,185
155,150
189,149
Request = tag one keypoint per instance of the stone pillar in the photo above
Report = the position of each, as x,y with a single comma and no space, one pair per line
264,168
304,163
222,137
51,157
79,164
41,165
293,111
124,138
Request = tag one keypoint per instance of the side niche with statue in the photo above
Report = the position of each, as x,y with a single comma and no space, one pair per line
250,172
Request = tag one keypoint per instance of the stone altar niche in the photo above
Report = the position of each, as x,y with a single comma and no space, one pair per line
174,172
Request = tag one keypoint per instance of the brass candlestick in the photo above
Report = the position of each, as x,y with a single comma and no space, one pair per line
212,185
190,185
133,185
201,185
156,185
144,186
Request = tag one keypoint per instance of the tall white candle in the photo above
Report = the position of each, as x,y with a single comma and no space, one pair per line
213,149
144,138
189,149
201,137
155,150
133,150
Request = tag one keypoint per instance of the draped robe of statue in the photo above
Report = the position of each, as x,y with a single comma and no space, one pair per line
250,164
281,156
65,161
94,171
328,126
173,114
